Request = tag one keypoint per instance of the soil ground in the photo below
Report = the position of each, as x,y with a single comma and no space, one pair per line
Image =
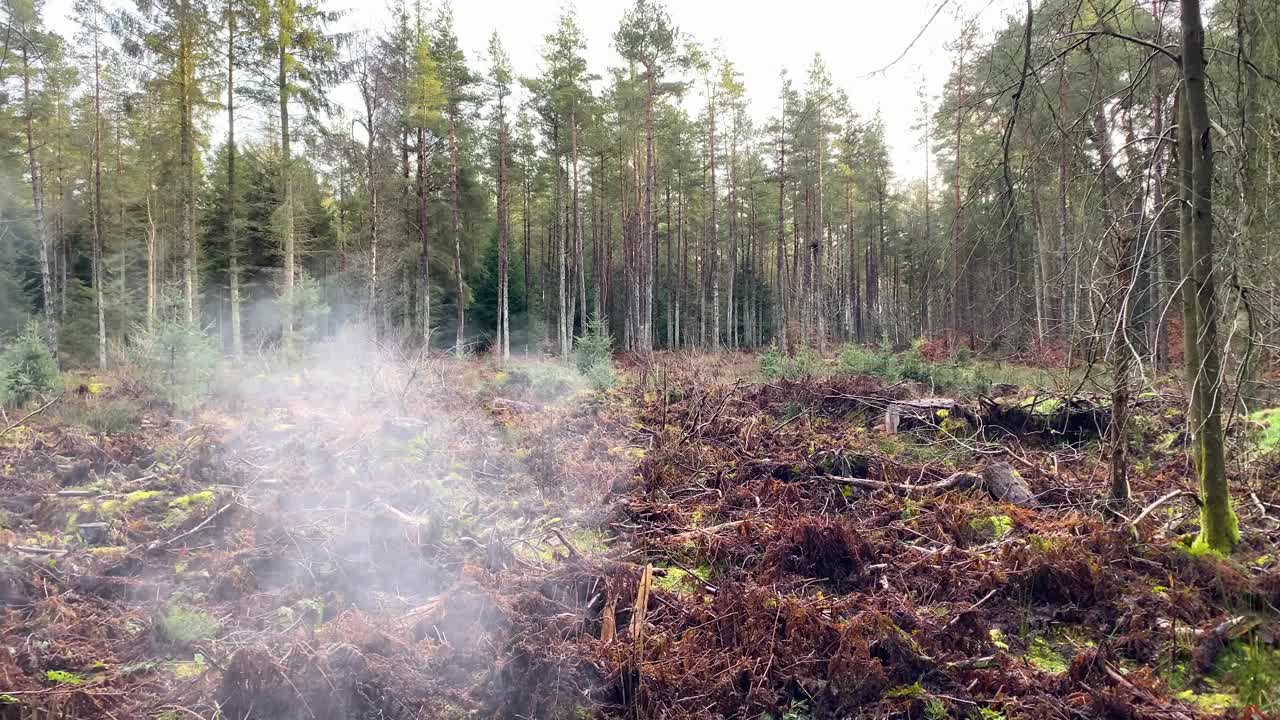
391,537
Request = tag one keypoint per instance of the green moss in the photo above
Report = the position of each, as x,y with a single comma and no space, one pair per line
914,690
997,638
992,527
188,670
63,677
125,503
1166,441
1044,657
1042,406
683,582
201,499
182,508
1214,702
183,625
1041,543
589,541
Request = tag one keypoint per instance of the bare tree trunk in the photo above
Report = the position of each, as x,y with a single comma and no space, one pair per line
459,286
424,238
233,198
731,318
286,171
956,236
713,241
97,198
37,201
780,257
578,243
684,260
649,231
1122,244
504,239
818,238
1219,528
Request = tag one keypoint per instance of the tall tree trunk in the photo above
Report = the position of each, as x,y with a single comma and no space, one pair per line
37,202
578,243
233,197
1066,298
1219,528
599,196
286,179
682,290
424,238
956,236
186,143
649,232
97,198
713,220
560,240
782,320
459,285
818,238
527,222
731,319
504,239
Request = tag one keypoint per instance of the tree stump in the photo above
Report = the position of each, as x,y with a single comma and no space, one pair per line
1004,484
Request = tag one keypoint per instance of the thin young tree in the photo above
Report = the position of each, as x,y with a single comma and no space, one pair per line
500,82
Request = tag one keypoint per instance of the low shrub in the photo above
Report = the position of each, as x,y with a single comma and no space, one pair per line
176,361
102,416
593,355
27,369
777,365
958,377
541,381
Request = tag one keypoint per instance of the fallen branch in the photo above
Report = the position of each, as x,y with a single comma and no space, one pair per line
30,415
1161,501
974,606
957,481
714,529
573,552
32,550
157,544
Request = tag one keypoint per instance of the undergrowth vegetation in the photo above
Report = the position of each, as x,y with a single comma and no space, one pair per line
593,355
175,361
961,375
27,369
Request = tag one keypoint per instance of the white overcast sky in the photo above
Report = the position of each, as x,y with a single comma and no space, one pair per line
855,37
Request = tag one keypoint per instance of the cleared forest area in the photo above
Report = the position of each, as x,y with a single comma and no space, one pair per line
381,535
351,369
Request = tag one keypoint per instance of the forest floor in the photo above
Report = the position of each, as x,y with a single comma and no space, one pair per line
409,537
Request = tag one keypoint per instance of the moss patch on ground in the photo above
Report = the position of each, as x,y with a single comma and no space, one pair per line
1266,429
184,625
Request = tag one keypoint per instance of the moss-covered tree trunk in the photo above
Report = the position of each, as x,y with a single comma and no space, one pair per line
1219,529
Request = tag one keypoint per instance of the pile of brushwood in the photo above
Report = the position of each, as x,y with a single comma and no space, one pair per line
449,539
